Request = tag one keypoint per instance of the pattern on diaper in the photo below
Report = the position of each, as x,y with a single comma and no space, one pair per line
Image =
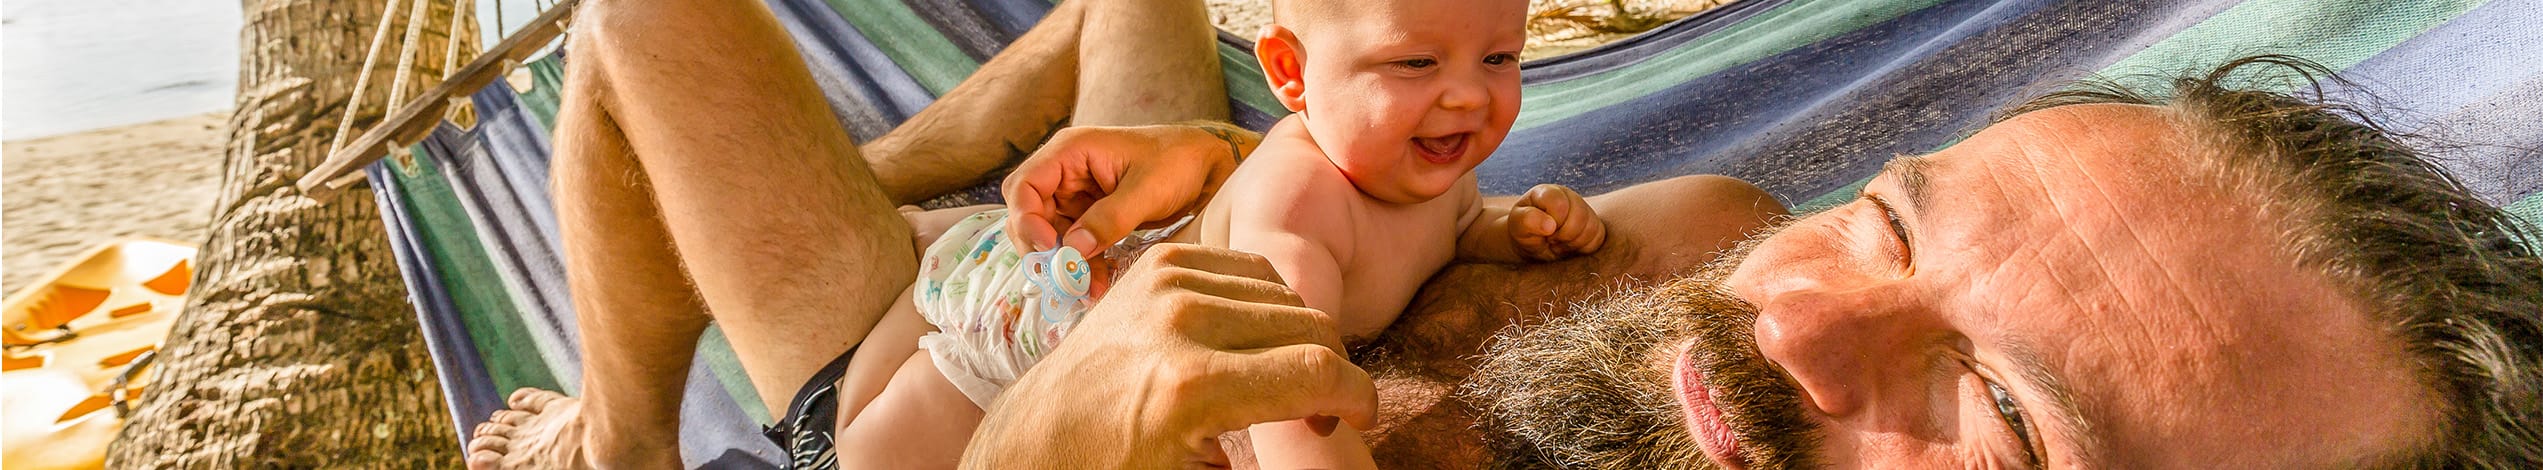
997,310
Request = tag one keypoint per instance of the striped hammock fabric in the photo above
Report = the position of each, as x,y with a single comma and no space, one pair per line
1805,98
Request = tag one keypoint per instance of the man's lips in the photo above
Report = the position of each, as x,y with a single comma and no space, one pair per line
1443,149
1704,420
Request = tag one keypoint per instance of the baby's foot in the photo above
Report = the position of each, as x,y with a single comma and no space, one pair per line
542,430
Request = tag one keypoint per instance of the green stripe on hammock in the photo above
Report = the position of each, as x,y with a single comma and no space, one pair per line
2337,35
1783,28
512,357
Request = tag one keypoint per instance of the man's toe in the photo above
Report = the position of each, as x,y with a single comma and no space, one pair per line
496,443
509,416
491,429
484,460
532,399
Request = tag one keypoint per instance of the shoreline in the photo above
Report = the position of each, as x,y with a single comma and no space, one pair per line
66,192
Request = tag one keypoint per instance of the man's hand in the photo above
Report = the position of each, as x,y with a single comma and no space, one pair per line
1551,222
1193,342
1090,186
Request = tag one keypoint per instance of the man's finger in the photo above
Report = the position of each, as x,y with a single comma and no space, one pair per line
1228,324
1283,383
1211,259
1028,190
1235,287
1138,198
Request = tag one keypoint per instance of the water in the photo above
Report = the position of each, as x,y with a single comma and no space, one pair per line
74,65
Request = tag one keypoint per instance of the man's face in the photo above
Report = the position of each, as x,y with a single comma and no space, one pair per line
2061,289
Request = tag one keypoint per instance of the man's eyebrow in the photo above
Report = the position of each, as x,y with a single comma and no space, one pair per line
2062,411
1910,171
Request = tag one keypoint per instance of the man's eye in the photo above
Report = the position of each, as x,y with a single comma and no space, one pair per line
2010,412
1905,249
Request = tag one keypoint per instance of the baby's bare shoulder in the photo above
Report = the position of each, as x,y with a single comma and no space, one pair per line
1286,174
1286,189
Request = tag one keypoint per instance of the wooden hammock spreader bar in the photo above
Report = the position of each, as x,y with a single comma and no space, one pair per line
412,121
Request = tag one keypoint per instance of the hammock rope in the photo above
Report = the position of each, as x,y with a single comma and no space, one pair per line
410,122
362,81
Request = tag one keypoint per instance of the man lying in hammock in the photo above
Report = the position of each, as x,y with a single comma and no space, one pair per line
2226,279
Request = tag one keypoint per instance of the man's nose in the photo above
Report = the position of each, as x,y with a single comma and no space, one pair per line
1847,348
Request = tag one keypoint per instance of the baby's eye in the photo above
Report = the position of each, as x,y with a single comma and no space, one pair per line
1504,58
1417,64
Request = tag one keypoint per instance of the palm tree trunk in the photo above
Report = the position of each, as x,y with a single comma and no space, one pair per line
298,348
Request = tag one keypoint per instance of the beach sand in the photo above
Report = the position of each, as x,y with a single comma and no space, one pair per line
68,192
1246,18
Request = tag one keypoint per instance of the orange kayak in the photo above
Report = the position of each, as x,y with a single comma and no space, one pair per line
79,343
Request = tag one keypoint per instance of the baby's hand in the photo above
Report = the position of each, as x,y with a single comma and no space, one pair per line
1551,222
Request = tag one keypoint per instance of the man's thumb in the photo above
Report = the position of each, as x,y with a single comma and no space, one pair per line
1135,201
1106,221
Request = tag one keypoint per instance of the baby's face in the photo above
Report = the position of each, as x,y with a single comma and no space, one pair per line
1406,97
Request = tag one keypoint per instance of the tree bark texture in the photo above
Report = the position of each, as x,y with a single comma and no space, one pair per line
298,348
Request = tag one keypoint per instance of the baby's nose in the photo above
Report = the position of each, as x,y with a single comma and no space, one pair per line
1465,96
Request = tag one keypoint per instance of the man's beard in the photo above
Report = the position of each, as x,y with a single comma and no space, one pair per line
1593,389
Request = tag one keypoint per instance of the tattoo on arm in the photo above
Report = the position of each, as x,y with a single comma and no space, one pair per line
1239,140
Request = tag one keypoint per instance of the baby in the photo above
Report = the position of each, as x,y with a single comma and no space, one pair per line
1355,199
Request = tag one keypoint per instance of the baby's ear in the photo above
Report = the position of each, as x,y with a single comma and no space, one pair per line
1282,58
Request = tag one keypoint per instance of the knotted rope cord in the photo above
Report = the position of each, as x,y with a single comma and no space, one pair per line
362,80
406,52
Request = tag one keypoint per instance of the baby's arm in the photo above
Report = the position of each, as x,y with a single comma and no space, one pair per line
1550,222
1291,213
1310,269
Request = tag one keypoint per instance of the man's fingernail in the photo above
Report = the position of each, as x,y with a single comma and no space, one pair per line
1081,239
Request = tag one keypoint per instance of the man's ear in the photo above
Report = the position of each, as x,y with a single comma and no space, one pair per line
1278,51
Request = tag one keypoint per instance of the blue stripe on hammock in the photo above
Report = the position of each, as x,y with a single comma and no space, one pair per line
466,386
868,91
1819,116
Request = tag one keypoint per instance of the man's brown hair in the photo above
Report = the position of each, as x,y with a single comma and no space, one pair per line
2454,278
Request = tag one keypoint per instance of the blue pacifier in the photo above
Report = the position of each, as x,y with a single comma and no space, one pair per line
1063,277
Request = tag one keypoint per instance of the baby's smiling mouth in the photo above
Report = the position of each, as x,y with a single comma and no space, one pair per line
1442,149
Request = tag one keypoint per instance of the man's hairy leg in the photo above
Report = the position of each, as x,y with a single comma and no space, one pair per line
1090,62
1148,62
993,119
639,317
700,172
785,233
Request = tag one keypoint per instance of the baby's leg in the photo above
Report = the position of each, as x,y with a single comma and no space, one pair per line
893,342
888,368
919,421
926,225
895,338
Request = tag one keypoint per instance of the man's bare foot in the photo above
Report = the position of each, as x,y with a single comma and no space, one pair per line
542,430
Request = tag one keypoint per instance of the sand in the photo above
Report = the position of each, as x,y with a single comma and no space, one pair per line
1547,37
68,192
